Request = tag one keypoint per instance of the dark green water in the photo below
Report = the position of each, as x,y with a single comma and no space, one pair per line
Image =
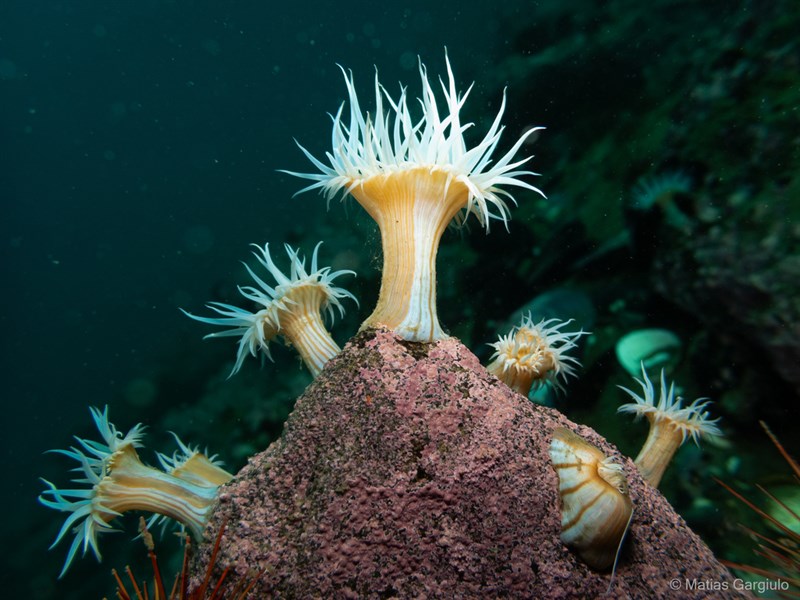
139,143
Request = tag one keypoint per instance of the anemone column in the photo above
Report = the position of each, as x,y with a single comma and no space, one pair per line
303,328
131,485
412,209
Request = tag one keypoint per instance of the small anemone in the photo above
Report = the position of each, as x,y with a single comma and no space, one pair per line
650,190
88,514
190,464
691,420
535,354
114,481
292,309
671,423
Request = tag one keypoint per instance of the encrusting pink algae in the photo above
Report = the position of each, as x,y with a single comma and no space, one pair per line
408,471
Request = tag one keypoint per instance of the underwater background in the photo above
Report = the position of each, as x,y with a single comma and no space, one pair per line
139,144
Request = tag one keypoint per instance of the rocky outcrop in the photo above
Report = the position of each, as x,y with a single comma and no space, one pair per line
407,471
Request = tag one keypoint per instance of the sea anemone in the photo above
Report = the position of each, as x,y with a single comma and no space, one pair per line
118,482
191,465
596,509
661,190
414,177
534,354
654,189
293,309
670,424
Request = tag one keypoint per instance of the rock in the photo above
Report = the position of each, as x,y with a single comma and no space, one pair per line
743,286
407,471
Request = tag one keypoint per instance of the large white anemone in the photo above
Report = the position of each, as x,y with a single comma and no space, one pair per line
414,176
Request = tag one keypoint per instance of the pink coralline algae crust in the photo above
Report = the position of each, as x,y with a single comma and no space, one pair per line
408,471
